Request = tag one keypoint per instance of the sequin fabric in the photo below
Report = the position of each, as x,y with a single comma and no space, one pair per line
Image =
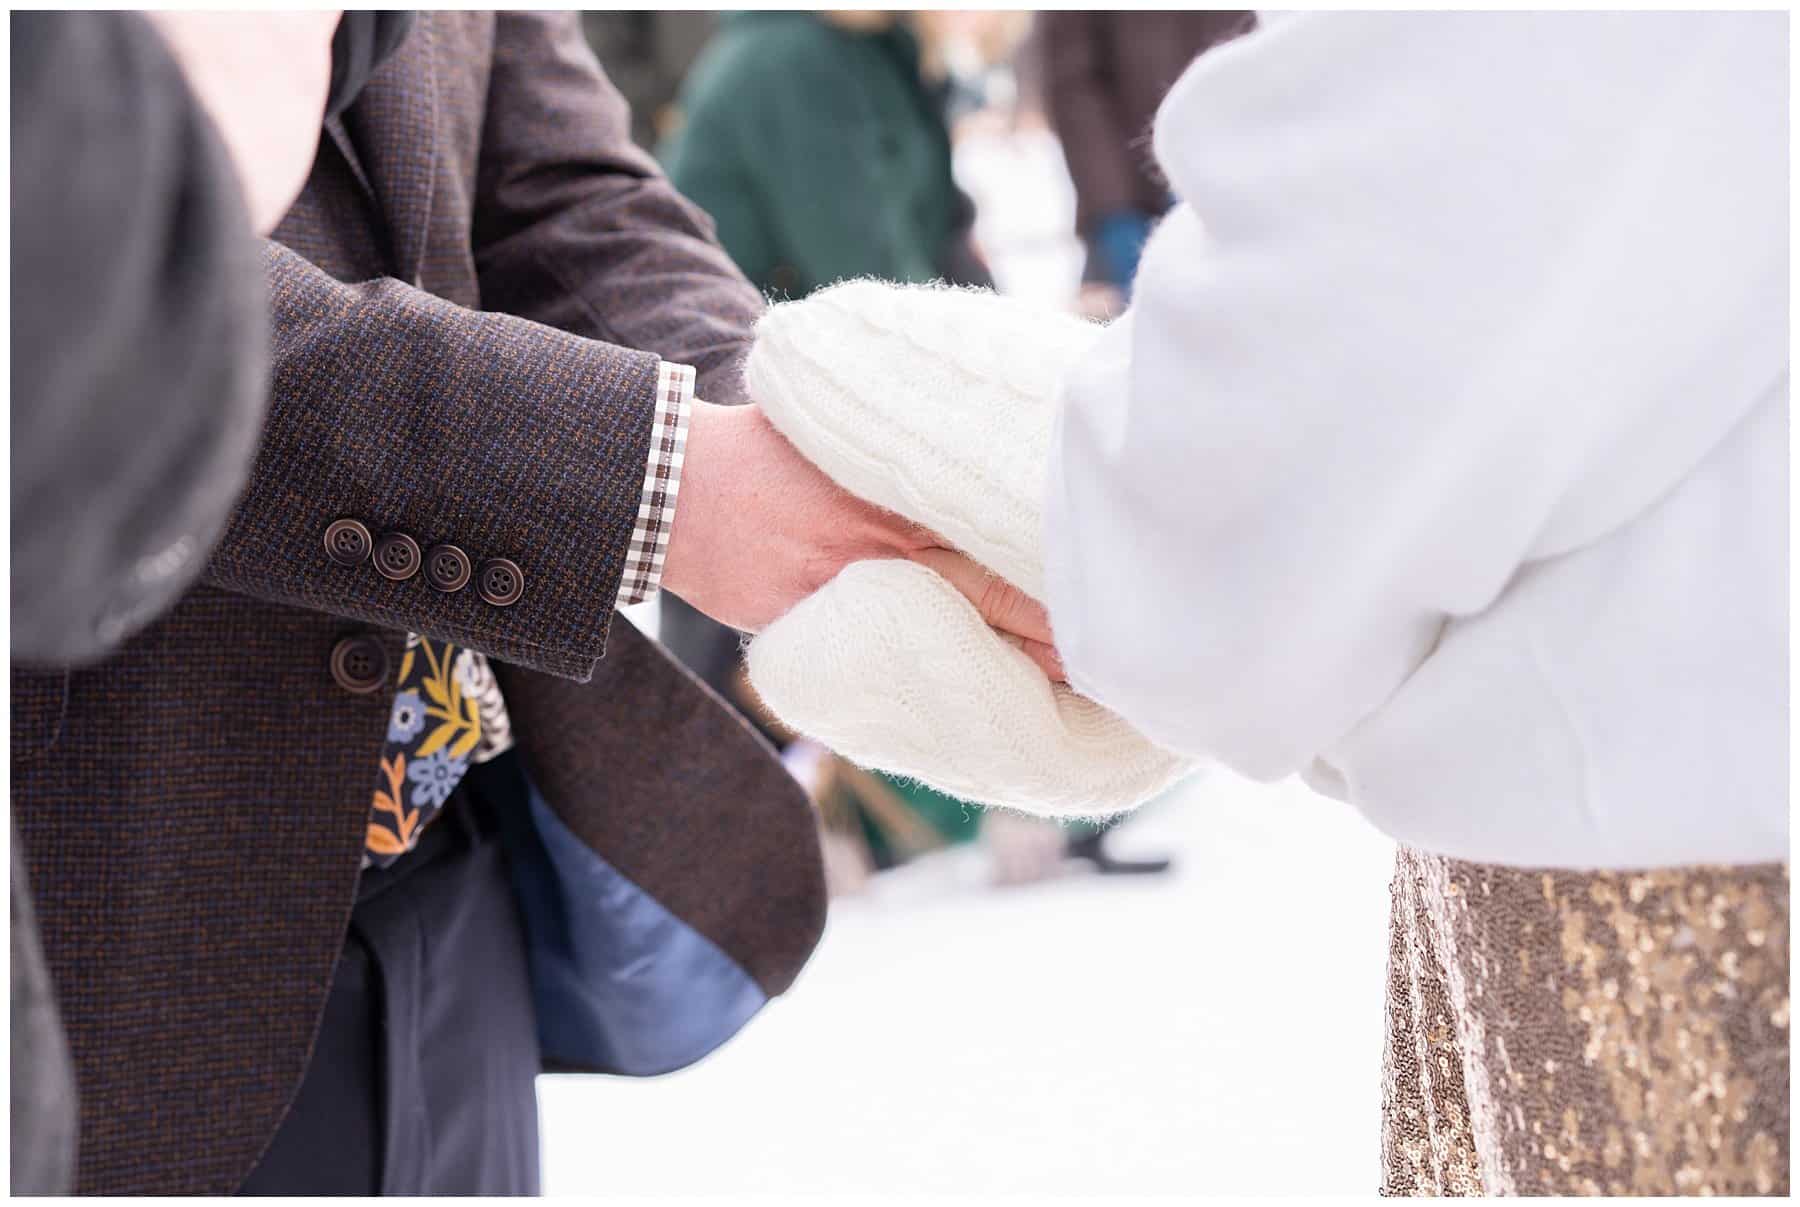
1572,1033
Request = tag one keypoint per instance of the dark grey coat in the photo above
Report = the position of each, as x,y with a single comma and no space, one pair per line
138,354
139,333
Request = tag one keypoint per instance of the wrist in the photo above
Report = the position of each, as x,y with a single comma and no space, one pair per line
712,433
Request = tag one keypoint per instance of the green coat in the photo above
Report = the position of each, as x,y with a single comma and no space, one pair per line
819,151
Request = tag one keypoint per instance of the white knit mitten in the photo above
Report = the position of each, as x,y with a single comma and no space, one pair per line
937,404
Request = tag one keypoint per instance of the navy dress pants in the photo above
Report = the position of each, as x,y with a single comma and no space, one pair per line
422,1080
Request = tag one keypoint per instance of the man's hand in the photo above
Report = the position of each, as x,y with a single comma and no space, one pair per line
758,528
1012,613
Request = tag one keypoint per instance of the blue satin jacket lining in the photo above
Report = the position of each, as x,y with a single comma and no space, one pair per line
621,984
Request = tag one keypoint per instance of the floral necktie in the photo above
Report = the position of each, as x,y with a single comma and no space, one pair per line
448,713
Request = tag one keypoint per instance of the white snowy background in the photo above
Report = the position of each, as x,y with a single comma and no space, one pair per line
1216,1030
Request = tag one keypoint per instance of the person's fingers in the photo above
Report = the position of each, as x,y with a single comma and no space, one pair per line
894,531
1048,660
1001,604
917,536
1045,656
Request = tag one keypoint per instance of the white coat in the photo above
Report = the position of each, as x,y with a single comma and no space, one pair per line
1442,457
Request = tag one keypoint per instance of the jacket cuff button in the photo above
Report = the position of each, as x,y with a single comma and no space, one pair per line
397,557
347,542
447,568
501,582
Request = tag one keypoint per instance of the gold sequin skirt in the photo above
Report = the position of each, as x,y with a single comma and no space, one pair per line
1578,1033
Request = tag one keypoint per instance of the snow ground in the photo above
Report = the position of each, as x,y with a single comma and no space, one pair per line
1216,1030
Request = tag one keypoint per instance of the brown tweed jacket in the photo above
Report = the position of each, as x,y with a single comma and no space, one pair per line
456,297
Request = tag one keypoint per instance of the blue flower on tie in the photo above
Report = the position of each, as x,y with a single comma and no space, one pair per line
408,717
435,777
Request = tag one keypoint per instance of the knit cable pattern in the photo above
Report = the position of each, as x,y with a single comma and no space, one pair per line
938,404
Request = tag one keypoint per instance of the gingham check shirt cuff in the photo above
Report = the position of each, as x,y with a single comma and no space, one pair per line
662,480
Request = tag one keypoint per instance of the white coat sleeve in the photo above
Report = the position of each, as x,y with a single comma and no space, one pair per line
1446,295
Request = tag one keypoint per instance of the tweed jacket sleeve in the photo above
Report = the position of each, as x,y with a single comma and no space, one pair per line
577,227
521,430
504,437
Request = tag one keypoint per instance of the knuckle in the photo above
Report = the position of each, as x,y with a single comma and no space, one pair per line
998,600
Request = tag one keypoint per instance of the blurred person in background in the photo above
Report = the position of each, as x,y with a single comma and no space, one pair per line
148,152
1442,459
1104,74
820,145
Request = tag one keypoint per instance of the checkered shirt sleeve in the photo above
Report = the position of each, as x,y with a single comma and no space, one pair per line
662,480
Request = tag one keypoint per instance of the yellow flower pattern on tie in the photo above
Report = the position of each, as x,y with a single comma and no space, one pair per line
447,713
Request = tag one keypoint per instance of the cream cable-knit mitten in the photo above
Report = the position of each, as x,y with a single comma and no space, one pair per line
937,404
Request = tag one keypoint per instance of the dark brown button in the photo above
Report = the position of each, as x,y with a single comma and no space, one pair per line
397,556
359,664
501,583
348,542
447,568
